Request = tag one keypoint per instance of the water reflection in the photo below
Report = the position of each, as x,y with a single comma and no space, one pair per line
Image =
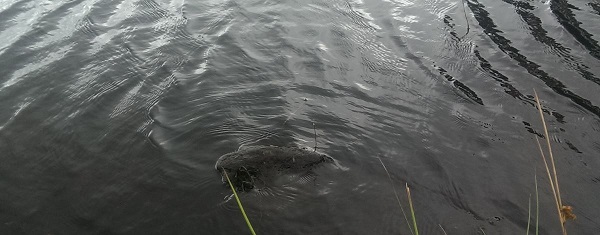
114,113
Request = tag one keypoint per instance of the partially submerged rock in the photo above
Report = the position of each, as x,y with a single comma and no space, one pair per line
249,163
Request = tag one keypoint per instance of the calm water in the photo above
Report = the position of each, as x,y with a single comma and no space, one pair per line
114,113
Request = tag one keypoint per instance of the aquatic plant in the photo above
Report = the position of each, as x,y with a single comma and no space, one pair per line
400,204
239,204
412,210
537,209
564,212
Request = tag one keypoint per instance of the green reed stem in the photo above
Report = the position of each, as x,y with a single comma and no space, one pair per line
412,210
239,204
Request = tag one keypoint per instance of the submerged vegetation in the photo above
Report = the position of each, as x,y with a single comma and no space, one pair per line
564,212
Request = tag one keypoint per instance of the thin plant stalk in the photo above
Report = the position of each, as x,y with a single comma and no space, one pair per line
564,212
412,210
537,100
528,214
553,180
537,207
443,230
239,204
396,194
552,186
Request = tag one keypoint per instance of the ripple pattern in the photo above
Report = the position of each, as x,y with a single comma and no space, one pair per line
115,112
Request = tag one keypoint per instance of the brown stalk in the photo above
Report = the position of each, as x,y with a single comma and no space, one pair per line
551,185
564,212
396,194
537,100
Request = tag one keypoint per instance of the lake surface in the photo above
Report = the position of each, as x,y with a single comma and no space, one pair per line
115,112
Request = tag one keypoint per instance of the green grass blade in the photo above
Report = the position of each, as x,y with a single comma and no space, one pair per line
412,210
239,204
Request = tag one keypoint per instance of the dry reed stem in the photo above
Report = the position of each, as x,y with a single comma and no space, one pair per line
396,194
550,179
564,212
537,100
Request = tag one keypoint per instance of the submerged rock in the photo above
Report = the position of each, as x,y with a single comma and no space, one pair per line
249,163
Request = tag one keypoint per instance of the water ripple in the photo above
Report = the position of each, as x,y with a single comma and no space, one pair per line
127,104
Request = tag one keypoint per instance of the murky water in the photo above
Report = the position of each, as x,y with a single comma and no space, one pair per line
114,113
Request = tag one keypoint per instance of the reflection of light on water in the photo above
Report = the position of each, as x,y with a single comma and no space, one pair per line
336,164
201,68
362,187
322,47
22,106
362,86
41,64
227,198
408,19
324,191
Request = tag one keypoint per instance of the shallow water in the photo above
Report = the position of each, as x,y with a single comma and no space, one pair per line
114,113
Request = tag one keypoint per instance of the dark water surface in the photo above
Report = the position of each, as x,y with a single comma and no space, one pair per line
114,113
